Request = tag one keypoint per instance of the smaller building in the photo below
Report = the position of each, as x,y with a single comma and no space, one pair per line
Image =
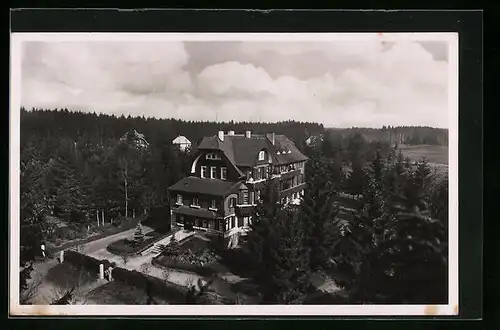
182,142
314,140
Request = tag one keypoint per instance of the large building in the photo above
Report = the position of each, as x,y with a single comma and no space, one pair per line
227,177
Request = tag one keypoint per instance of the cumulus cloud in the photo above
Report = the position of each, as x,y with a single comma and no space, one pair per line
102,76
337,83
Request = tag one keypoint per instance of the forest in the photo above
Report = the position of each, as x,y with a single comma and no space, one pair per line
85,169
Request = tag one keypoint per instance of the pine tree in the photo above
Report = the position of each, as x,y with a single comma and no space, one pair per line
409,263
319,214
356,180
173,247
138,235
33,209
277,251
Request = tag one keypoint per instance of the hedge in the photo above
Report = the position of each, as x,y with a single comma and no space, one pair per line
173,292
81,260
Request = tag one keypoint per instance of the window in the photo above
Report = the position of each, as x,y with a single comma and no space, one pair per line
203,171
244,196
213,172
257,196
261,155
179,199
213,155
240,222
212,204
211,224
196,202
233,222
223,173
232,202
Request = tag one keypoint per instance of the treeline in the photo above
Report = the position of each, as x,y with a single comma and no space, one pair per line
411,135
95,129
392,250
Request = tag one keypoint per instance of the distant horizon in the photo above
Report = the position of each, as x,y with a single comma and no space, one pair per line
233,121
345,81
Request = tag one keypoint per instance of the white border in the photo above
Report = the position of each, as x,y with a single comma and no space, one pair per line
238,310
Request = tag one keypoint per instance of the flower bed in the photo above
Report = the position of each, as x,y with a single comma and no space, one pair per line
194,256
127,246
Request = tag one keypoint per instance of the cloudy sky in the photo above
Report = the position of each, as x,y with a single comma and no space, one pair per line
339,84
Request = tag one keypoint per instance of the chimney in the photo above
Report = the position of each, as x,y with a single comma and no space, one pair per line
248,134
230,133
271,137
221,135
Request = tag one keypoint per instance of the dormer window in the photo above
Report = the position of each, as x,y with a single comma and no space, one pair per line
223,173
179,199
213,172
261,155
203,172
214,156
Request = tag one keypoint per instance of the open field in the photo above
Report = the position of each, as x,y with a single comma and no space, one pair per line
433,154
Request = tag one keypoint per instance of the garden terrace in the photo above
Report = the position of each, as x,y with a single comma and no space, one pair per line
195,255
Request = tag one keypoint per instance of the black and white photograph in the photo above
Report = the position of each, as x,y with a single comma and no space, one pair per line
233,174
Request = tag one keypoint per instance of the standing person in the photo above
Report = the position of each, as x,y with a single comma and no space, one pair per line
42,247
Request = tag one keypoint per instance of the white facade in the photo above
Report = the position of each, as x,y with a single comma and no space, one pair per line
182,142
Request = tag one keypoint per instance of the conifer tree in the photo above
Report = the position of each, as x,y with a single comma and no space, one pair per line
319,214
173,247
278,253
138,235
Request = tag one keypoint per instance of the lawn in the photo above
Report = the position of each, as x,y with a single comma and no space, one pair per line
119,293
66,276
71,235
433,154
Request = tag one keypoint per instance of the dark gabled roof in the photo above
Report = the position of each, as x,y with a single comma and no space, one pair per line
243,151
213,143
213,187
282,143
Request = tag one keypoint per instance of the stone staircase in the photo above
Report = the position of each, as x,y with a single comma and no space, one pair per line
158,248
